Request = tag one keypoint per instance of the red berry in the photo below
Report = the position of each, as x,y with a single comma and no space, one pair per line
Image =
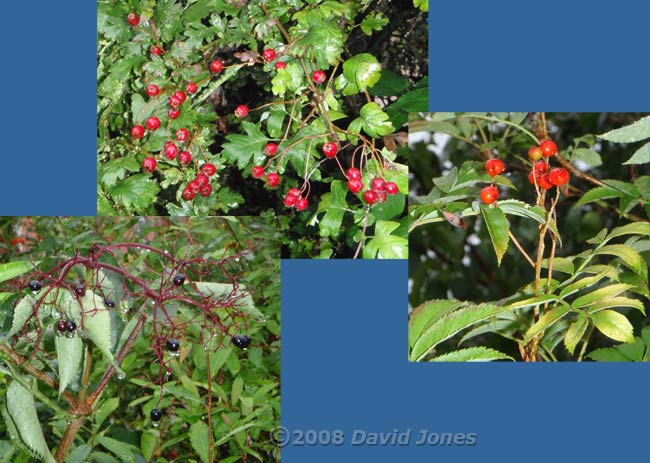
354,174
184,157
257,172
270,149
171,150
494,167
191,88
153,123
535,153
155,50
280,65
216,66
391,188
61,326
558,176
152,90
290,200
149,164
540,167
241,111
182,135
381,196
208,169
370,196
330,149
355,185
202,179
188,194
173,113
268,54
137,132
378,184
294,192
319,76
302,204
181,96
489,194
194,186
272,180
174,101
133,19
206,190
548,148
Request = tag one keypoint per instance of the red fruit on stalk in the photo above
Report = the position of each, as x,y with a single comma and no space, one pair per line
319,76
149,164
133,19
290,200
391,188
191,88
535,153
181,95
270,149
137,132
216,66
153,123
540,167
330,149
174,102
272,180
206,190
268,54
378,184
489,194
155,50
184,157
294,192
202,179
194,186
302,204
280,65
171,150
549,148
182,135
558,176
208,169
370,197
152,90
354,173
241,111
188,193
494,167
355,185
257,172
173,113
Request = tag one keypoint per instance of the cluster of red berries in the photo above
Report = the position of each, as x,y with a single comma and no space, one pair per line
379,187
490,193
294,198
542,174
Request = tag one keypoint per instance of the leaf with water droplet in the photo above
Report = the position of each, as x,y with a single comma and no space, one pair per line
68,355
97,324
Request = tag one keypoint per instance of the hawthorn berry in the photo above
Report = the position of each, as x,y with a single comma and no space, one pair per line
171,150
182,135
549,148
355,185
153,123
268,54
280,65
181,96
173,113
294,192
70,326
242,341
216,66
191,88
80,289
184,157
302,204
179,280
174,102
558,176
378,184
208,169
257,172
270,149
173,345
35,285
155,50
149,164
354,173
391,188
489,194
535,153
61,326
272,180
241,111
156,414
194,186
290,200
188,194
319,76
494,167
370,197
137,132
381,196
133,19
330,149
152,90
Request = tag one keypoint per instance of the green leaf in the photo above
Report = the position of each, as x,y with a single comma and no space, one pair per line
324,41
560,264
148,443
383,245
23,311
421,4
498,227
115,169
522,209
617,302
103,411
68,355
390,84
291,78
242,148
585,282
639,130
574,333
472,354
373,22
614,325
335,206
22,410
97,324
610,354
532,302
125,452
451,324
362,69
598,193
628,256
136,193
374,121
601,293
547,320
225,292
635,228
200,440
424,315
640,156
14,269
589,157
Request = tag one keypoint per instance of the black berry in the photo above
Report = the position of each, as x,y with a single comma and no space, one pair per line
61,326
70,326
241,341
80,289
179,280
35,285
173,345
109,303
156,414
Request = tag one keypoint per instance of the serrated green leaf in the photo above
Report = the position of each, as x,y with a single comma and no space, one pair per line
335,205
103,411
362,69
614,325
374,121
68,355
136,193
583,283
635,228
628,256
639,130
560,264
373,22
243,148
598,193
97,324
22,312
323,40
199,439
617,302
498,227
547,320
11,270
149,442
609,354
291,78
424,315
522,209
125,452
22,410
589,157
601,293
574,333
241,299
640,156
384,245
472,354
532,301
116,169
